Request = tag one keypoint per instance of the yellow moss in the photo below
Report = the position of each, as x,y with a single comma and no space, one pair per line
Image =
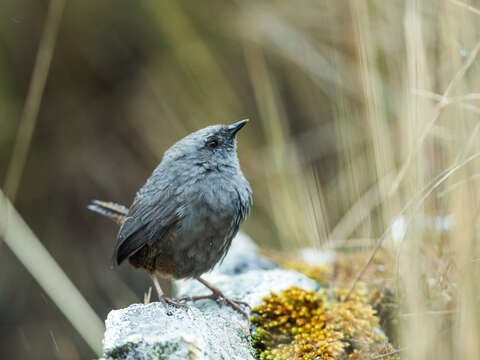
292,326
304,325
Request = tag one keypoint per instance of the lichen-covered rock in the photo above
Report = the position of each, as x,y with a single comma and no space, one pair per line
205,330
155,332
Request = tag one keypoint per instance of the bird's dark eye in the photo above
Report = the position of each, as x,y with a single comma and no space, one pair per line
212,143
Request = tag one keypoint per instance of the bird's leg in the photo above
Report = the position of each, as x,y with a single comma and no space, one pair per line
218,295
161,295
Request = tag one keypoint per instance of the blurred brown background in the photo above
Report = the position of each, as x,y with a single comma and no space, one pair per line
345,129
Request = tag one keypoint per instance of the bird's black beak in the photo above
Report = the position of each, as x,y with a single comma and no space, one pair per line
234,128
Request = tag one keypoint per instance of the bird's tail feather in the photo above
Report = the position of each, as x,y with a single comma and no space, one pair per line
113,211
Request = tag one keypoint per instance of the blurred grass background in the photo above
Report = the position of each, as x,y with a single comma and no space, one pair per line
364,115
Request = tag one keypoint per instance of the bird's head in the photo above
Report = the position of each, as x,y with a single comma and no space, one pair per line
212,147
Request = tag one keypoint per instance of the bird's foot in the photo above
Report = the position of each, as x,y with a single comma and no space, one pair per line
162,298
174,302
220,298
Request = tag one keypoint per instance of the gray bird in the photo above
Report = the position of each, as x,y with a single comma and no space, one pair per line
182,221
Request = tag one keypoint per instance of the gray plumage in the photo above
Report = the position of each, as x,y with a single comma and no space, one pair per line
182,221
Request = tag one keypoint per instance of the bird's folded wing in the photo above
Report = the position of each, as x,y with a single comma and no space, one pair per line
147,221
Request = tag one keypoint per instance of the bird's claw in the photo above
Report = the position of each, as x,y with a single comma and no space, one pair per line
173,302
220,298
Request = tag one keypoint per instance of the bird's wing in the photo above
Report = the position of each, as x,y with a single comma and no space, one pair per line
148,220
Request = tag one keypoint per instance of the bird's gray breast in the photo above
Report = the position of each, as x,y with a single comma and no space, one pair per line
210,217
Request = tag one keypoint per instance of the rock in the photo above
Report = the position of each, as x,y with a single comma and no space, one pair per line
242,257
317,257
155,332
250,287
206,330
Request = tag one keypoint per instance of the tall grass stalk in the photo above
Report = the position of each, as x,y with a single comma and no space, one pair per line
45,270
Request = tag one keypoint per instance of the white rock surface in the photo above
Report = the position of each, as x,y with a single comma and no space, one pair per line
154,332
242,257
317,257
250,287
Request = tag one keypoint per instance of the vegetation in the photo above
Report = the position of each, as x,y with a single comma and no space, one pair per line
299,324
332,323
363,139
